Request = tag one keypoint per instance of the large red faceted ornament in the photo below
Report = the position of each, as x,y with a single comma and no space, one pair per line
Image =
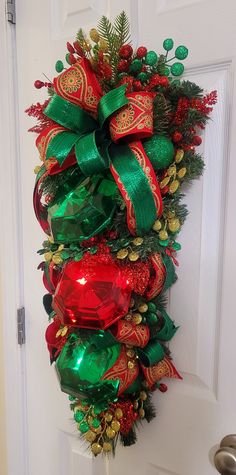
92,296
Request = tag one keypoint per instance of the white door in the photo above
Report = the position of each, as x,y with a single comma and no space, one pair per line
194,414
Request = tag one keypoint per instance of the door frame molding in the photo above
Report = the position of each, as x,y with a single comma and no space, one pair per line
11,268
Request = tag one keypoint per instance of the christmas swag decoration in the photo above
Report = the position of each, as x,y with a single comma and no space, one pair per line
117,138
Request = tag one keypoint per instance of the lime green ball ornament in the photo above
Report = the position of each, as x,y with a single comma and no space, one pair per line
160,151
151,58
135,66
83,427
168,44
177,69
59,66
181,52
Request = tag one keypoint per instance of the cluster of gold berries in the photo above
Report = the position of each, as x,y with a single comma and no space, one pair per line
138,404
173,175
54,256
130,252
135,314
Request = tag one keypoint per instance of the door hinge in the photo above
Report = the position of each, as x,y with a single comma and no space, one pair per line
11,11
21,325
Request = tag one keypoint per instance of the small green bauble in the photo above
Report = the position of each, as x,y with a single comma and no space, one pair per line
160,151
152,319
83,427
166,71
142,77
152,307
96,423
181,52
135,66
78,416
168,44
151,58
177,69
59,66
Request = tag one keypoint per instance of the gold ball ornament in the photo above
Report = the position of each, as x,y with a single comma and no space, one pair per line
179,155
96,448
48,256
131,364
174,225
90,436
133,256
174,186
182,172
56,258
164,182
143,308
111,433
115,425
163,235
122,254
94,35
138,241
118,413
107,447
157,225
141,413
136,404
137,318
108,417
143,396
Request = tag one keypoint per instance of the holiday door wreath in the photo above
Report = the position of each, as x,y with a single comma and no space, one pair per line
117,137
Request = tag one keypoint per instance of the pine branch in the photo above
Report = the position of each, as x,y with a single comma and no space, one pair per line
185,88
122,28
128,439
161,114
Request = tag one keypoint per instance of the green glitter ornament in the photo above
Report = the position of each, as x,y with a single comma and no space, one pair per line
59,66
168,44
177,69
83,427
96,423
160,151
166,71
181,52
135,66
151,58
142,77
152,319
78,416
152,307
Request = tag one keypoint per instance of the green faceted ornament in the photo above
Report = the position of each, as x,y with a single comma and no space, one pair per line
83,427
135,66
142,77
151,58
181,52
59,66
177,69
81,366
160,151
78,416
81,213
168,44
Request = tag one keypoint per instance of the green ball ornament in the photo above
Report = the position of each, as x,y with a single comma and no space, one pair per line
151,58
142,77
166,71
177,69
160,151
152,319
135,66
83,427
168,44
152,307
181,52
78,416
96,423
59,66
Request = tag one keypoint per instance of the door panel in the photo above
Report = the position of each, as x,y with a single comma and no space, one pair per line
194,414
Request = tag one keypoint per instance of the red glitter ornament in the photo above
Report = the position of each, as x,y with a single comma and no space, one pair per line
164,81
38,84
72,59
141,52
123,66
125,51
137,85
177,136
92,294
163,388
197,140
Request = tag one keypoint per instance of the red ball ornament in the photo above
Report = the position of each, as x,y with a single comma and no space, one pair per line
141,52
164,81
177,136
163,388
197,140
125,51
137,85
123,66
92,294
38,84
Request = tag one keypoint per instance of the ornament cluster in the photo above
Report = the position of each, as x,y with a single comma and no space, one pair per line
117,138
